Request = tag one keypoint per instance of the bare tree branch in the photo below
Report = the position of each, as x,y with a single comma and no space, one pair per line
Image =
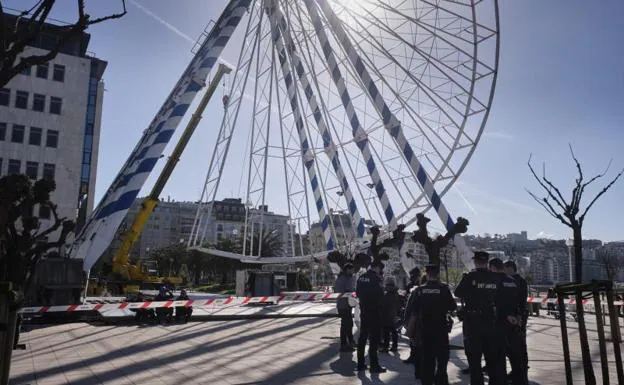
549,208
561,203
553,187
582,190
601,193
576,192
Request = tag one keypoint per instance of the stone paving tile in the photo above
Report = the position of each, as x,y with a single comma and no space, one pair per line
298,351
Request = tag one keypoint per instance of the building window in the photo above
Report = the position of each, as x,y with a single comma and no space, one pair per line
39,102
15,166
59,73
44,212
35,136
21,100
32,169
52,138
48,171
17,136
5,96
3,131
42,71
26,71
55,105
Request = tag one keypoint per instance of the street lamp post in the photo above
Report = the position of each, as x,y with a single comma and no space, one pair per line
570,244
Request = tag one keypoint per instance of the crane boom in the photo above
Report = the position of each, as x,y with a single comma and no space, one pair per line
122,255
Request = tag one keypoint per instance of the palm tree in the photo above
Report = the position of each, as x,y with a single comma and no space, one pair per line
269,246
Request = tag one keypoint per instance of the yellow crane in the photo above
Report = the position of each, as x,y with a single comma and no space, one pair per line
121,259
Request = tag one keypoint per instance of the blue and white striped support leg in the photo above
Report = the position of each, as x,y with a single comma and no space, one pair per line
360,136
280,26
102,225
306,152
391,123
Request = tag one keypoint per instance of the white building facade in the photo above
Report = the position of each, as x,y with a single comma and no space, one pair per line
50,119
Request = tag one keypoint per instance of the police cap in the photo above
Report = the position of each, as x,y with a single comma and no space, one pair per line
511,264
377,263
497,263
481,256
347,266
432,269
415,271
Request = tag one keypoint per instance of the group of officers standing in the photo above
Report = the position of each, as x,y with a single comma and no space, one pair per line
493,311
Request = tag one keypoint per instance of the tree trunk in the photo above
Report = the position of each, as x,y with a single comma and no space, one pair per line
578,253
197,275
590,378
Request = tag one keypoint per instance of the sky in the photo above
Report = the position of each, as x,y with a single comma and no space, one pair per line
560,83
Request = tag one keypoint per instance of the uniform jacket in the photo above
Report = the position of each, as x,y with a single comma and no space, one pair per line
370,292
478,289
345,283
508,298
524,291
433,302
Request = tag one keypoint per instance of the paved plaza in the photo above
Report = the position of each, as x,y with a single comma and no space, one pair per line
245,352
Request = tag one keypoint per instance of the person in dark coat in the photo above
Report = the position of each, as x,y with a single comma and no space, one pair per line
164,314
478,290
345,283
512,271
389,314
183,313
434,302
415,277
370,292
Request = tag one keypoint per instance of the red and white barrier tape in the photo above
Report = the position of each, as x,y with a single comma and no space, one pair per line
229,301
234,301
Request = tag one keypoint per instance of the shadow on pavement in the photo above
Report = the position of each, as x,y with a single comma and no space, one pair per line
141,348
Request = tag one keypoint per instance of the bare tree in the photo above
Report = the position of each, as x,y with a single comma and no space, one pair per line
611,261
569,212
29,25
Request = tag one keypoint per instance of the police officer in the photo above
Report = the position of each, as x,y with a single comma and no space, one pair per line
512,270
370,292
433,302
509,319
478,289
414,275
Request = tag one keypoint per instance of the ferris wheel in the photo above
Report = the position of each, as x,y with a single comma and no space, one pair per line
368,108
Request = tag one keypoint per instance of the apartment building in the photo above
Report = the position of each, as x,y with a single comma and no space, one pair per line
50,119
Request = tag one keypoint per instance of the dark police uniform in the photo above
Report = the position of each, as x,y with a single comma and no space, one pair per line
433,301
370,293
524,293
478,289
415,355
509,319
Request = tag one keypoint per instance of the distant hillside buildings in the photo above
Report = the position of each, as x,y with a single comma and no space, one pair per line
549,260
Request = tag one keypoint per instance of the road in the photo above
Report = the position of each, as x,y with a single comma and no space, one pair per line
300,351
